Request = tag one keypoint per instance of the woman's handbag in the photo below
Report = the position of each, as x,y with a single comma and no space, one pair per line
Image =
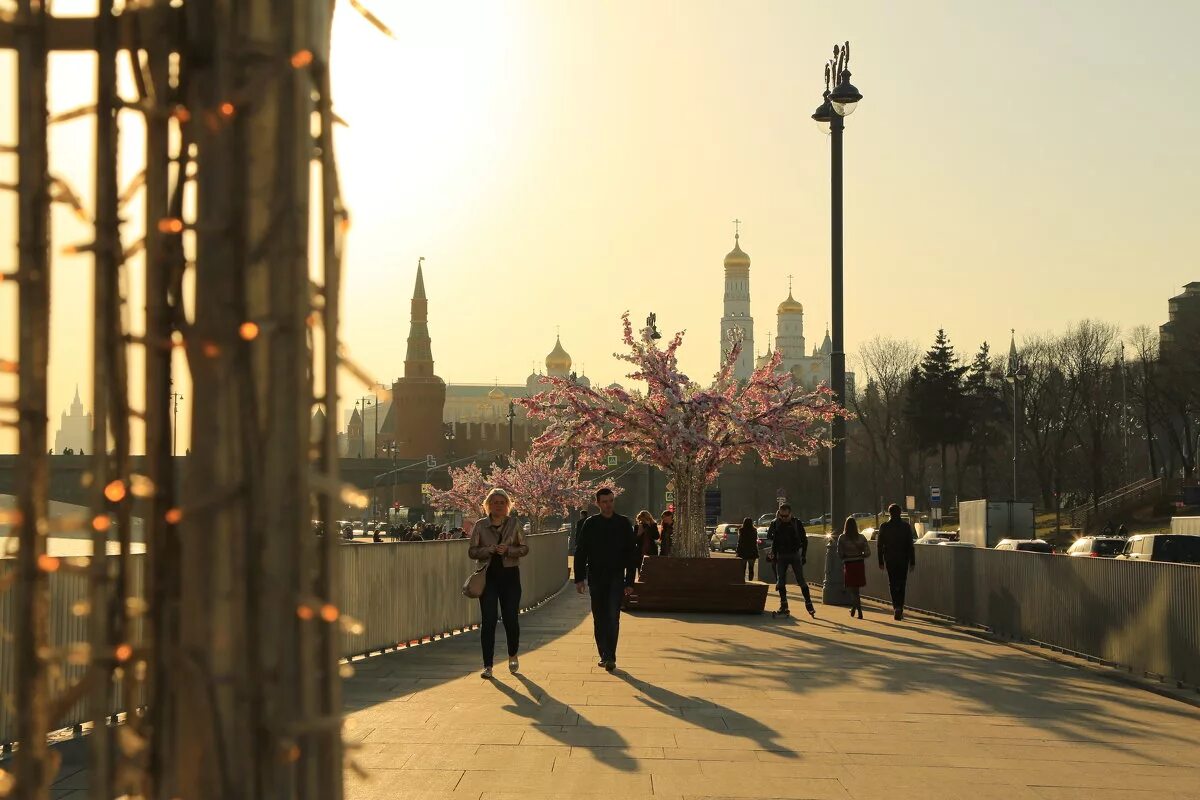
475,583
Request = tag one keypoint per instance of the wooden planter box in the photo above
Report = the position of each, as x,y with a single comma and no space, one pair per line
696,584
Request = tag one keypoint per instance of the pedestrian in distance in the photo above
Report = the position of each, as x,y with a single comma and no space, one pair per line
606,560
747,546
583,514
854,549
789,548
897,555
667,536
498,544
647,534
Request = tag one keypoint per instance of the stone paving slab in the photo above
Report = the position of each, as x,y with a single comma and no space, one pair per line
709,706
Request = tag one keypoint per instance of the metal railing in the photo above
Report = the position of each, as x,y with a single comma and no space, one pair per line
1142,616
400,592
1085,517
405,591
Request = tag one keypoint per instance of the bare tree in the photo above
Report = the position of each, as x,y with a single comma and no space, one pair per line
1088,352
886,364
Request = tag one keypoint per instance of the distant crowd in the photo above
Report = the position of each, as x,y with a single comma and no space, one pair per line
395,531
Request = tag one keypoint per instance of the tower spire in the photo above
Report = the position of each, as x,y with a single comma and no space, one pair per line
418,361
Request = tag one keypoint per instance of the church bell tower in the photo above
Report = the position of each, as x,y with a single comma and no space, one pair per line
737,308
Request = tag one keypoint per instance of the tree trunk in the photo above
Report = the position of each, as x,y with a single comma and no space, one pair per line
690,540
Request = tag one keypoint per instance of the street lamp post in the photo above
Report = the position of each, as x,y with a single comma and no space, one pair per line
837,103
362,404
511,415
1124,421
1016,374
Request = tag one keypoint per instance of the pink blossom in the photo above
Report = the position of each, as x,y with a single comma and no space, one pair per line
687,431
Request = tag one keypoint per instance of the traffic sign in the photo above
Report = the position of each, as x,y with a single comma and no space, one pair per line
937,512
426,488
910,502
670,497
612,461
935,495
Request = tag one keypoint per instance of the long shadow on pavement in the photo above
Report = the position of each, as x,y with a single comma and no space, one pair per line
993,680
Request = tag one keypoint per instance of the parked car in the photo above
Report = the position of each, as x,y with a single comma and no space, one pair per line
1097,546
936,537
724,537
821,520
1025,545
766,519
1171,548
868,534
949,543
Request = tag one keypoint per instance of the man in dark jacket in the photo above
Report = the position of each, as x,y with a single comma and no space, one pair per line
897,555
789,548
606,561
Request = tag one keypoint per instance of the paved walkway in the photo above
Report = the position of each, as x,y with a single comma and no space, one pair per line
706,706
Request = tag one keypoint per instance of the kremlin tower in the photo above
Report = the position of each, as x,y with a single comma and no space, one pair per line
418,397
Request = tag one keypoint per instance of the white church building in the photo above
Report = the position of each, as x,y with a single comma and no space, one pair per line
810,368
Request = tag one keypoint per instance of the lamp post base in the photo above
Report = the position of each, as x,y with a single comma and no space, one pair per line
833,590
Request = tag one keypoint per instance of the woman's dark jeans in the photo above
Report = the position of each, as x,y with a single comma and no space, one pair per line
502,594
749,567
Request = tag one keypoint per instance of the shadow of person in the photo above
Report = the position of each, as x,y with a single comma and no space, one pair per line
707,714
605,743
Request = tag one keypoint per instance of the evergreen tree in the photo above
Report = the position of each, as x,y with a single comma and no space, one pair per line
985,408
937,406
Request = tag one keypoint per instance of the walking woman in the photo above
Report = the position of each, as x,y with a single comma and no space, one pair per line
647,536
747,546
498,543
854,549
667,518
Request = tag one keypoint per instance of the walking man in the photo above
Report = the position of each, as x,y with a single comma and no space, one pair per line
897,555
606,561
789,548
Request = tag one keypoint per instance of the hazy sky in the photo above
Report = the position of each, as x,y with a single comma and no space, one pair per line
1015,164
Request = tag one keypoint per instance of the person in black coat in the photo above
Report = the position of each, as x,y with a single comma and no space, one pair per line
897,554
789,548
647,534
747,546
606,561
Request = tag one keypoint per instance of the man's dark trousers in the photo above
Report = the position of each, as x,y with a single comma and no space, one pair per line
897,572
795,561
607,594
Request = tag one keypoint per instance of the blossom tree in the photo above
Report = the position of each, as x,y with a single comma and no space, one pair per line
542,487
539,485
687,431
468,487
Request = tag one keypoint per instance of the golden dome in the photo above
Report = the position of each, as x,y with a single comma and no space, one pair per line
496,394
736,257
790,306
559,360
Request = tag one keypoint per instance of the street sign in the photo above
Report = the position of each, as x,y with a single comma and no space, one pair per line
670,497
910,502
935,495
937,512
426,488
612,461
